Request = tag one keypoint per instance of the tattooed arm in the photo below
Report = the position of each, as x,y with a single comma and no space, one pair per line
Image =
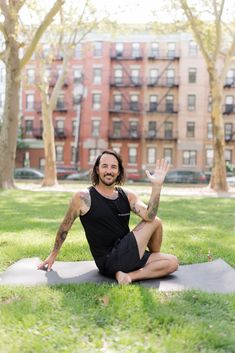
149,212
78,205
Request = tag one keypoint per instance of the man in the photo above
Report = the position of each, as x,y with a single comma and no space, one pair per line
104,211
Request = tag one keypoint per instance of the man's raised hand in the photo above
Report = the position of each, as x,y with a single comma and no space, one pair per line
160,171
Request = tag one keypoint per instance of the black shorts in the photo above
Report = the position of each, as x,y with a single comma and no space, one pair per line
124,257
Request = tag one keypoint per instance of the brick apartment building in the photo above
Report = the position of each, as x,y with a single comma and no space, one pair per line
145,96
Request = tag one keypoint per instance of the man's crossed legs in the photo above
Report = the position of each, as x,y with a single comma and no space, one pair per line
149,234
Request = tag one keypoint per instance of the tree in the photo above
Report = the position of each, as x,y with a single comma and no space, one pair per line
215,36
63,39
12,33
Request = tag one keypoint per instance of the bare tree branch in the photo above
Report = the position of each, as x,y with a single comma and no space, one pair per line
217,16
18,4
195,29
3,30
4,7
40,31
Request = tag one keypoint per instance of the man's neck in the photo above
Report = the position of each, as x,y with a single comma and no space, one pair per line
106,190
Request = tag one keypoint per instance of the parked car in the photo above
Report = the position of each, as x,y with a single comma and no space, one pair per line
28,173
63,172
84,175
186,177
231,180
131,177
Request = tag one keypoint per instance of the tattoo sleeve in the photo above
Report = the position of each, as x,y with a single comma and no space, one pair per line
63,229
153,205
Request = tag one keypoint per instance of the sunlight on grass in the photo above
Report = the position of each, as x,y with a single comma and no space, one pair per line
109,318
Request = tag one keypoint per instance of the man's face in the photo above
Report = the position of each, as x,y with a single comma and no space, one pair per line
108,170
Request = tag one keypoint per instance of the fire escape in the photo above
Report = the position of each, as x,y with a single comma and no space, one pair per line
229,108
160,111
123,104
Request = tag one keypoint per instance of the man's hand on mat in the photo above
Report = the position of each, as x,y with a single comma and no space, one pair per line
46,265
158,176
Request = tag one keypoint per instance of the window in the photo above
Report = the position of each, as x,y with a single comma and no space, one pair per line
209,104
117,101
193,48
209,131
189,157
97,49
77,76
171,50
153,76
191,102
151,155
229,104
192,75
167,152
132,155
228,131
96,101
78,51
42,163
190,130
119,47
30,76
30,102
135,76
59,128
73,154
74,127
60,104
153,103
230,78
154,50
169,103
133,129
77,98
97,75
170,77
134,103
168,129
117,125
136,50
228,156
29,127
59,151
152,129
93,153
95,128
117,149
118,76
209,157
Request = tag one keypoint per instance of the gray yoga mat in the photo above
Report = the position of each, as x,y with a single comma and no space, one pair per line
214,277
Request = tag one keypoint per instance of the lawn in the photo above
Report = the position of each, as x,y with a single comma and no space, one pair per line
111,318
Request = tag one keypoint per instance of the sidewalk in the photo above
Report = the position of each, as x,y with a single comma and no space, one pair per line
200,191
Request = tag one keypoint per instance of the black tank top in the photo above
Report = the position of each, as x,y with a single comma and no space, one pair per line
106,221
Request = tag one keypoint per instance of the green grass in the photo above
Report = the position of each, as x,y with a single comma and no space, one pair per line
111,318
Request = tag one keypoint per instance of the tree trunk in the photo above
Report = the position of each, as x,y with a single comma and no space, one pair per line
50,178
218,180
9,130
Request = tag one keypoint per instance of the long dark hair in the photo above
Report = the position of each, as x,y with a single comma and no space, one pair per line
120,178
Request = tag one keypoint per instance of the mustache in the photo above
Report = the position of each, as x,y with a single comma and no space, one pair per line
108,174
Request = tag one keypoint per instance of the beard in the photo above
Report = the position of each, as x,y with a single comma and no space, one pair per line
106,182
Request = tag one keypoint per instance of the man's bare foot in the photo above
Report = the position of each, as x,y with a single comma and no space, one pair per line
123,278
